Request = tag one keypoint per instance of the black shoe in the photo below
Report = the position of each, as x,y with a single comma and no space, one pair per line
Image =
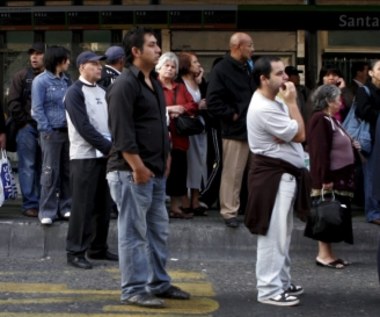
104,255
174,292
144,300
232,222
78,261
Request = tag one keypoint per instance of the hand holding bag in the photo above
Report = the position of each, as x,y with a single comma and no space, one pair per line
187,125
8,188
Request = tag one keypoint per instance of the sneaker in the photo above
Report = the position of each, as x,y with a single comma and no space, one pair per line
283,299
67,215
294,290
46,221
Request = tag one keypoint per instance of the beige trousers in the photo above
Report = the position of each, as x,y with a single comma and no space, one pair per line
235,157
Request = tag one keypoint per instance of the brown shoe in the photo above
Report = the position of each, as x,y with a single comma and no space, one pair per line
376,222
32,212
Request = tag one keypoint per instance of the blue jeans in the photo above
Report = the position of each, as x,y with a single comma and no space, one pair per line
371,205
143,229
29,166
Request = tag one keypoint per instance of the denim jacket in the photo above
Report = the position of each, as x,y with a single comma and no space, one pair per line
48,92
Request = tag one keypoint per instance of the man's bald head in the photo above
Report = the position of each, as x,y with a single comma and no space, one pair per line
237,38
241,46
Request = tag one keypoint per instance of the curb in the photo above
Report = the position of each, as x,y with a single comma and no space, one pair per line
195,239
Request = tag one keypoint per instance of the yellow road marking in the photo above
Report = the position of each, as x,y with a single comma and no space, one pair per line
152,314
193,306
31,288
56,300
175,275
196,283
196,289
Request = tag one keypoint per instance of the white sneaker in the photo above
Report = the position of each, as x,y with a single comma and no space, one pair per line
67,214
283,299
46,221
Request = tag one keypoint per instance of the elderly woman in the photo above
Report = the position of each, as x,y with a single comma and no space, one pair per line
178,101
331,165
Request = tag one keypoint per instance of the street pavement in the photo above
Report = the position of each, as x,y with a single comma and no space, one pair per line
215,263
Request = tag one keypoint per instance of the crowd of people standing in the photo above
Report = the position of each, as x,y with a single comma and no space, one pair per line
112,133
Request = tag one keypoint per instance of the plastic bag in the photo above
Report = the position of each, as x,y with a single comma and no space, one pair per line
8,188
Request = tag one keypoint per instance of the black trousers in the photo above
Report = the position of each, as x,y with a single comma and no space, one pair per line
90,209
176,182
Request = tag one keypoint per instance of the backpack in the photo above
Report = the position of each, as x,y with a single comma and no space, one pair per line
359,129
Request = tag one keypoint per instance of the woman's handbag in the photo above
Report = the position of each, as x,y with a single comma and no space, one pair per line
325,222
189,125
8,188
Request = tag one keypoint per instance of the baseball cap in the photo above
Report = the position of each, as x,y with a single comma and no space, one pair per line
114,53
88,56
37,47
291,70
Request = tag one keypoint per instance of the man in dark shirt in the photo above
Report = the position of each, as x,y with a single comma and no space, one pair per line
136,174
229,92
28,149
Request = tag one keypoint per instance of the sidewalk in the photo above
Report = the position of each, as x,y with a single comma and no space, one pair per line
198,238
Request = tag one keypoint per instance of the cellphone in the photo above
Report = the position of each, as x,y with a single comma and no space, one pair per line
338,83
283,86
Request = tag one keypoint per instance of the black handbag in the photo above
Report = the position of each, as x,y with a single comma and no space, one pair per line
189,125
325,222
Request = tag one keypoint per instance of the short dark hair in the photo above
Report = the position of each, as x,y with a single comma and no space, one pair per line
135,38
358,67
55,55
263,66
327,70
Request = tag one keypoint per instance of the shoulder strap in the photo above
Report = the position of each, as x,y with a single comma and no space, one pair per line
175,95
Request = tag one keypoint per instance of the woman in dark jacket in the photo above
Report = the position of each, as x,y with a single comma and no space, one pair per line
331,167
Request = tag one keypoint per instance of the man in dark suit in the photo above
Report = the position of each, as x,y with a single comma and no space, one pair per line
359,72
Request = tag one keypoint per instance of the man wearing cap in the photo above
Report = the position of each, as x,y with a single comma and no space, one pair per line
90,144
114,65
302,92
28,149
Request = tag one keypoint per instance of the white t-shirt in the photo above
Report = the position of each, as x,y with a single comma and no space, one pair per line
268,120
